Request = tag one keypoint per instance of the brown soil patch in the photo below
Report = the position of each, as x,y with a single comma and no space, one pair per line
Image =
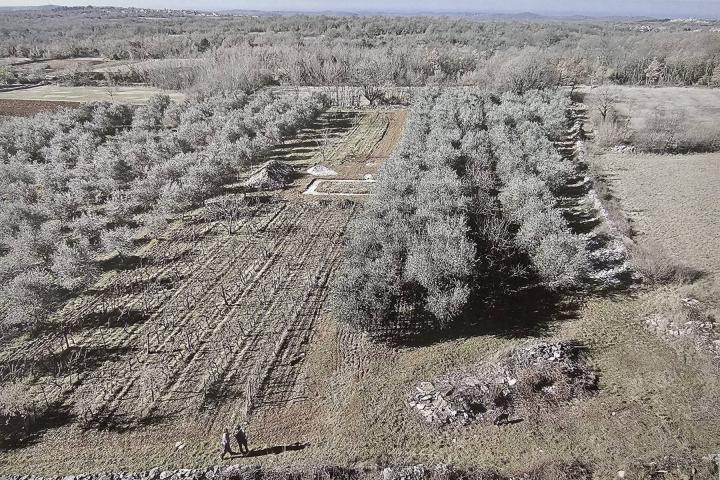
26,108
396,126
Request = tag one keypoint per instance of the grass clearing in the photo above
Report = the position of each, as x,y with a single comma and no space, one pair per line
135,95
701,106
652,401
655,120
673,202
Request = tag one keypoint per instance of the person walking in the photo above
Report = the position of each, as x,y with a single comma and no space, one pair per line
241,438
225,444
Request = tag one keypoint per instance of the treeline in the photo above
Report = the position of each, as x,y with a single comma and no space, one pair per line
79,182
465,207
402,51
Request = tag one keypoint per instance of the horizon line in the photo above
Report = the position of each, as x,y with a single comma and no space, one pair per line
569,15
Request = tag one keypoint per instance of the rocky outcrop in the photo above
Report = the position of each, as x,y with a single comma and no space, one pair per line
271,175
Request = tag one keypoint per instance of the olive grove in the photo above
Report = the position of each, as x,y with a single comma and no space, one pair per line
77,183
465,204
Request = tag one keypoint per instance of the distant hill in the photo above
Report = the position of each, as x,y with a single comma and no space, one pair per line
20,8
521,16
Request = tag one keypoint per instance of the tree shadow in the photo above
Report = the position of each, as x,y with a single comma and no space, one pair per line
121,423
112,318
527,312
520,309
77,360
119,262
17,434
124,263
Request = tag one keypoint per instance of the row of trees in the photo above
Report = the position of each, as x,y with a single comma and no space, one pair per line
77,182
516,69
465,204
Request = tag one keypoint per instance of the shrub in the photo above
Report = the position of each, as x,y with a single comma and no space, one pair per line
610,130
659,267
20,410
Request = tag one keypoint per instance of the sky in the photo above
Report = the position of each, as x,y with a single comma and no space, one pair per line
652,8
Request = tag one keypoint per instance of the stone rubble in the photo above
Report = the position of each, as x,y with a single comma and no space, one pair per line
624,149
701,328
217,472
482,394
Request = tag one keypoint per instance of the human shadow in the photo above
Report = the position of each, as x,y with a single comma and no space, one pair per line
276,450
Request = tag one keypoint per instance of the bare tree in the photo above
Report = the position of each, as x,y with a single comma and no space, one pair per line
604,99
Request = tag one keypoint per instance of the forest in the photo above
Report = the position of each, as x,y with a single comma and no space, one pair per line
248,52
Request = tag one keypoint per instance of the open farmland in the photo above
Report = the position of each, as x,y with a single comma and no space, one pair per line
222,319
701,106
246,245
134,95
207,327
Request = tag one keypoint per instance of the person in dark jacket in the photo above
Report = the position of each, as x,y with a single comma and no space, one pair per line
225,444
241,438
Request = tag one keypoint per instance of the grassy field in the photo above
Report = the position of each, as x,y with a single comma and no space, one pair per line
129,66
53,93
673,202
701,106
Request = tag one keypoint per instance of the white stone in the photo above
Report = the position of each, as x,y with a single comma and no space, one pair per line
321,171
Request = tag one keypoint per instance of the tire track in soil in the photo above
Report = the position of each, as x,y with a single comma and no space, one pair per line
113,340
234,376
114,403
271,306
190,371
280,378
79,308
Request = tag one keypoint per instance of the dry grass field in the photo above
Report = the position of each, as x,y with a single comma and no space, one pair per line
673,202
701,106
136,95
129,66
